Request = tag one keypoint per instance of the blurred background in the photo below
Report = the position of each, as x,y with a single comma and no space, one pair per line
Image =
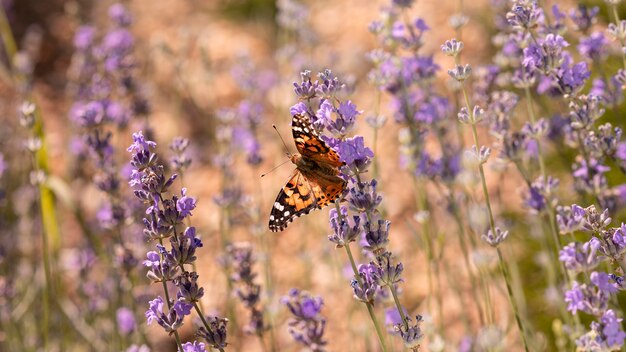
196,69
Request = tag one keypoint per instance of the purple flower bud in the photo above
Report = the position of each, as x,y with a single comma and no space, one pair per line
376,238
460,73
343,231
388,274
184,246
306,89
170,321
307,325
411,335
524,15
452,47
366,289
494,240
217,333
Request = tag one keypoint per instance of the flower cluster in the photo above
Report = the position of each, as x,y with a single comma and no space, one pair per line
307,324
241,260
334,118
107,96
164,220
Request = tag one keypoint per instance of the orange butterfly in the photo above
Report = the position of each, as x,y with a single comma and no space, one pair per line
315,182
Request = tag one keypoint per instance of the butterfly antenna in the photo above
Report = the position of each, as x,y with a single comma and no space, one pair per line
282,140
275,167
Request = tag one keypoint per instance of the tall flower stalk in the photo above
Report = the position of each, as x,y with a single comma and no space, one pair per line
471,115
336,117
164,220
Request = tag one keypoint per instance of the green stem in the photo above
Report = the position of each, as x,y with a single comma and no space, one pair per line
169,305
492,225
392,289
370,308
507,280
465,250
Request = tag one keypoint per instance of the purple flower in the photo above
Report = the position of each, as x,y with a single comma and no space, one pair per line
376,238
323,117
140,143
355,154
216,333
524,15
302,305
189,291
366,288
345,120
240,261
184,246
411,333
387,272
162,266
579,257
185,204
343,231
194,347
393,318
605,335
170,321
602,281
612,329
298,108
125,320
181,160
589,299
307,325
583,17
89,115
120,15
306,89
594,47
364,198
84,37
570,219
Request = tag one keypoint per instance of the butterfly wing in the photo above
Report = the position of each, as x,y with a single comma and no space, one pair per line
305,191
295,199
309,143
325,188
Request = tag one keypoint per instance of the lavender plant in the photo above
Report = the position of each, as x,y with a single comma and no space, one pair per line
329,113
407,74
241,259
165,220
307,324
520,155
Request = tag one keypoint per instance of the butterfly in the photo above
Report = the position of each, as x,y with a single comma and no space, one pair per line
314,183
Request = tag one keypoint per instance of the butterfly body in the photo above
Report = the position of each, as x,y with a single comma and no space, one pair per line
315,182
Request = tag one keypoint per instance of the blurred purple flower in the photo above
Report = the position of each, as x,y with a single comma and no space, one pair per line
307,325
194,347
125,320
